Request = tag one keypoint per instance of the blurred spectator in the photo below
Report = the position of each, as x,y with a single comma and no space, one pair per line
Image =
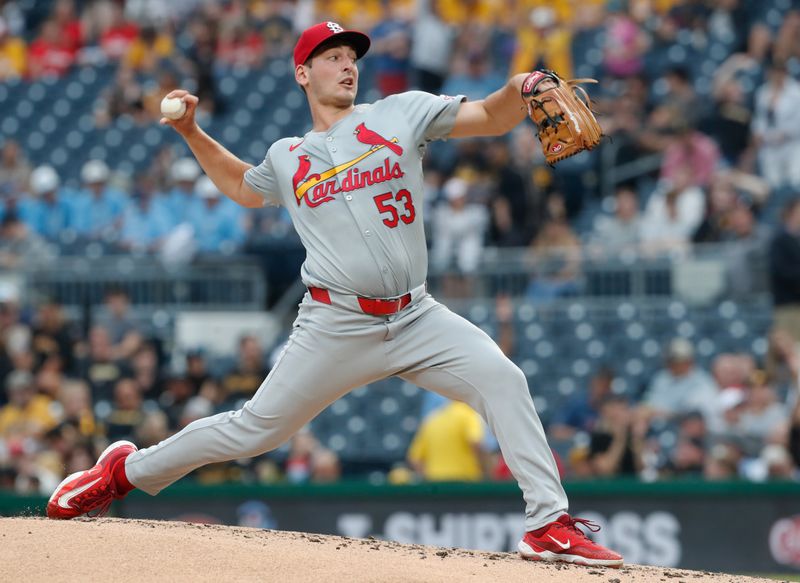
448,445
762,418
556,257
688,457
793,439
682,387
19,246
197,407
153,429
155,12
733,371
783,364
690,157
250,371
752,242
197,370
728,124
776,127
199,62
275,23
146,372
731,193
390,50
581,412
458,231
50,54
116,318
432,45
722,462
126,413
124,98
184,174
26,414
309,461
614,445
508,205
173,400
477,80
239,45
96,364
117,35
298,462
685,104
216,220
47,210
50,335
97,210
543,44
146,219
622,231
777,461
13,54
784,264
674,211
325,466
15,170
787,44
76,408
149,50
625,47
69,25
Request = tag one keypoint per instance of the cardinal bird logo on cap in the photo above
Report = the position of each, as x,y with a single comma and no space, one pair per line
367,136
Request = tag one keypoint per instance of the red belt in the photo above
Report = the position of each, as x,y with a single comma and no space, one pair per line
371,306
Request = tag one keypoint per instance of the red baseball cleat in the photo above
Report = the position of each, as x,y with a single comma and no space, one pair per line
562,540
93,489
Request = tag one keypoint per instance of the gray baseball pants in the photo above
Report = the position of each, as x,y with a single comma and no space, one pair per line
336,348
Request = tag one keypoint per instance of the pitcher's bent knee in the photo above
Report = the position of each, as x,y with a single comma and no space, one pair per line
261,434
506,377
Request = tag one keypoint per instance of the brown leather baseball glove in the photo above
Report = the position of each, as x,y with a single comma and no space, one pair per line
565,122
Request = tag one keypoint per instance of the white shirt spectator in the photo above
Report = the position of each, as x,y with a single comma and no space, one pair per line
458,229
776,125
673,215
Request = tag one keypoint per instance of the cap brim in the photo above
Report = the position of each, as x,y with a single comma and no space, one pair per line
358,40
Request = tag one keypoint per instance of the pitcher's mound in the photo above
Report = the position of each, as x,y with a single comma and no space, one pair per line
110,549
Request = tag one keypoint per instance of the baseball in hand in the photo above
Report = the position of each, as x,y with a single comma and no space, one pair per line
173,107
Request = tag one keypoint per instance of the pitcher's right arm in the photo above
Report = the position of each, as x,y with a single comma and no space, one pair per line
220,165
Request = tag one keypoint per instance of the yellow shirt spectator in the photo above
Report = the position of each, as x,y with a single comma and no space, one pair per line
147,51
447,444
13,57
357,14
551,48
26,414
480,11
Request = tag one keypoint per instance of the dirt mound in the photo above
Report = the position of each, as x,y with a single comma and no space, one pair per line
109,549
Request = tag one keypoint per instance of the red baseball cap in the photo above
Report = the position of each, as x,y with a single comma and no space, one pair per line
315,35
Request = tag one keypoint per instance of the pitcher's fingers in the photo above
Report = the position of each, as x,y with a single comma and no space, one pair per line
177,93
191,100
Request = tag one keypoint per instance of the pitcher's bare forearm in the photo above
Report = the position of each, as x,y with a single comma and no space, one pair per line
222,167
496,115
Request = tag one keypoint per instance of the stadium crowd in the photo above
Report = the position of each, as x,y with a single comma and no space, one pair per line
722,125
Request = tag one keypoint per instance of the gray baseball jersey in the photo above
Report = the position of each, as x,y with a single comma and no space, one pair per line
355,195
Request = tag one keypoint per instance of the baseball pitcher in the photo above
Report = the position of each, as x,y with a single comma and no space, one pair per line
353,186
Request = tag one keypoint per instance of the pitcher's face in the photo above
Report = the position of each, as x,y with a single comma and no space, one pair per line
331,76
